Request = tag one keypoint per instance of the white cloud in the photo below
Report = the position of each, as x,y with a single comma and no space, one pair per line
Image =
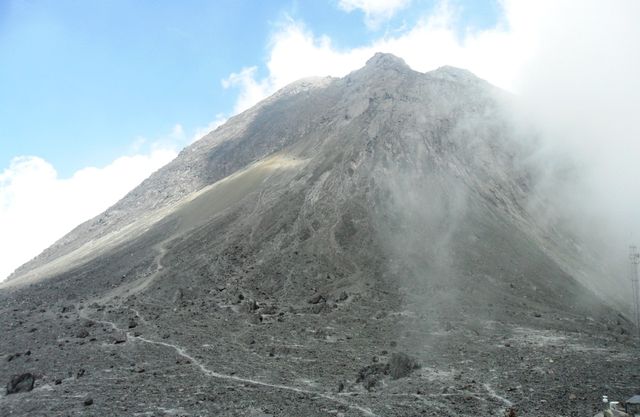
37,207
497,54
375,11
251,90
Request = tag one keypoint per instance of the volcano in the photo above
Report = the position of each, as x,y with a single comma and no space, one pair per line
357,246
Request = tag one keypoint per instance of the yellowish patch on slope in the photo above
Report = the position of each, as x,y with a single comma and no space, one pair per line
192,211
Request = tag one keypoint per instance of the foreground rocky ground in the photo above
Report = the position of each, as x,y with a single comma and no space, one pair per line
233,356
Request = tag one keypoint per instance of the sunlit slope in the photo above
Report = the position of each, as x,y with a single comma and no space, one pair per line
192,211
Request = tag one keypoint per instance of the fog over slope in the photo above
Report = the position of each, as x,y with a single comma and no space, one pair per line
283,263
582,95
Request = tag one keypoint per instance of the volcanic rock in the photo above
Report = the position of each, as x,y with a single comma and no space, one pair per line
401,365
412,200
20,383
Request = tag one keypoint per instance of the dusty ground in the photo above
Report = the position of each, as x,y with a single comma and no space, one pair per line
210,350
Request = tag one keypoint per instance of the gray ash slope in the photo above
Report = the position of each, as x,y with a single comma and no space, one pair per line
301,245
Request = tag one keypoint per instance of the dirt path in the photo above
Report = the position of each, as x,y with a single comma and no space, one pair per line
213,374
139,285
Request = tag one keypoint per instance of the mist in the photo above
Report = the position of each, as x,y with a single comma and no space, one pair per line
581,95
572,69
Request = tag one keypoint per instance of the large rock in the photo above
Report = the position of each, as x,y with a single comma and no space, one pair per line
371,374
401,365
20,383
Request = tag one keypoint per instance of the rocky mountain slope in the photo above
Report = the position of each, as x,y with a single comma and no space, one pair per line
353,246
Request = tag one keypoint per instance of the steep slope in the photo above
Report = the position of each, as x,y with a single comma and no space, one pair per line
279,262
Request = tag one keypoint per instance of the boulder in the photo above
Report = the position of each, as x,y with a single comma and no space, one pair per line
371,374
178,296
318,298
82,333
401,365
20,383
119,337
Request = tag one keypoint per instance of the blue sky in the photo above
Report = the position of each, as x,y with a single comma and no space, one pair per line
80,81
96,95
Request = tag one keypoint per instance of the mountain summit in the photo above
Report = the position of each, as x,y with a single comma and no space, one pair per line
387,61
352,246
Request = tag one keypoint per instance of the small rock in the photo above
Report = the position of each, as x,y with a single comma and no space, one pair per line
88,402
318,308
82,333
119,338
370,374
271,309
343,296
20,383
318,298
80,373
510,412
132,323
58,381
252,305
67,309
178,296
401,365
370,382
